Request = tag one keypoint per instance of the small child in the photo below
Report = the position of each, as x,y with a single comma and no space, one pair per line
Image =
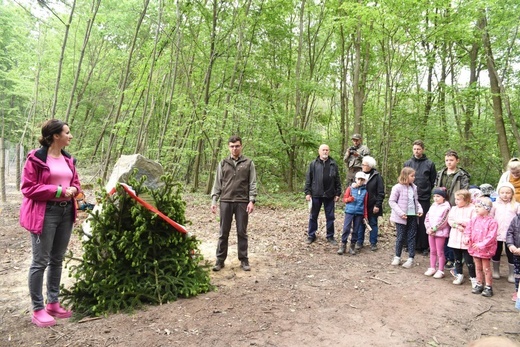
405,205
458,218
355,199
513,245
438,229
480,235
505,208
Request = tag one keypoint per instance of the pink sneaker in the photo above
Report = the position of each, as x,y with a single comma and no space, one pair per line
42,319
514,296
57,311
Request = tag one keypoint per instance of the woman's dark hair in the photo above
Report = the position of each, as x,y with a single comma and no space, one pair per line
49,128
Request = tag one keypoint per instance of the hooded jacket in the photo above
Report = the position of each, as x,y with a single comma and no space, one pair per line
482,232
37,190
425,175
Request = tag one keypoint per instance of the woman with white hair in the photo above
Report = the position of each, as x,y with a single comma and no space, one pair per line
376,195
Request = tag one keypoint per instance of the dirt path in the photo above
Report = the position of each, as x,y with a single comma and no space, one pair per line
295,295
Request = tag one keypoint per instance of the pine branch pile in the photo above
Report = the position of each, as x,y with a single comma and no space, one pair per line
134,257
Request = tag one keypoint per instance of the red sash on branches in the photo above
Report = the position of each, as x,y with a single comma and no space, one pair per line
130,191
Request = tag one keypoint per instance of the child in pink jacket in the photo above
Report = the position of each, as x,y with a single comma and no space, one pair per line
481,237
437,228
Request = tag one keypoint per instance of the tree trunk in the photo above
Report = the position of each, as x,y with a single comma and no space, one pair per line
60,63
126,75
90,24
494,81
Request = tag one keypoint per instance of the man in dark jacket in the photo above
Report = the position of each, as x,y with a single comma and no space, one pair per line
322,187
235,186
425,175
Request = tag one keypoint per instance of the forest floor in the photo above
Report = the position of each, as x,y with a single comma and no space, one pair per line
295,295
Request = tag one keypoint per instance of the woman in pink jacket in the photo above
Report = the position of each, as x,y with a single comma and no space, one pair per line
481,237
49,184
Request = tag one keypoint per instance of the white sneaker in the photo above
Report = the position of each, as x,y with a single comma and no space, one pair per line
430,272
473,282
408,263
439,274
458,279
396,261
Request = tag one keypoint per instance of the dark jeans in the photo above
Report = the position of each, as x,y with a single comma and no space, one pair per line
353,221
459,254
406,233
421,241
516,262
448,252
227,210
328,206
372,221
48,250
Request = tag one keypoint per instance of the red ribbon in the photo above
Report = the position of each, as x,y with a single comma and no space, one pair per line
129,191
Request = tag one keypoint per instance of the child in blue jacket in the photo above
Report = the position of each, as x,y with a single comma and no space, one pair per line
356,201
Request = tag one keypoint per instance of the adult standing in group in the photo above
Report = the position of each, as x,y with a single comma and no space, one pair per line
512,175
49,184
322,187
425,175
376,195
235,186
354,156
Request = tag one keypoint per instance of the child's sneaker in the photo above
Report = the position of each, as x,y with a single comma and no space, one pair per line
430,272
478,289
396,261
473,282
459,279
439,274
487,292
408,263
515,296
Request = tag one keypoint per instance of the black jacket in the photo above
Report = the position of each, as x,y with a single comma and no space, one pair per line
425,175
314,179
376,192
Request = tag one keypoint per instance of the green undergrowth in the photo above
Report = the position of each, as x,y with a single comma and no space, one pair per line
134,257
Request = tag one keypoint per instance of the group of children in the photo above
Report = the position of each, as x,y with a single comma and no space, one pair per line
476,229
467,222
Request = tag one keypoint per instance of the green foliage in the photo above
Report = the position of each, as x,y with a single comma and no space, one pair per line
134,257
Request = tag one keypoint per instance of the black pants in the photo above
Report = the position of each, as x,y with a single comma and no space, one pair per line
227,210
421,240
468,259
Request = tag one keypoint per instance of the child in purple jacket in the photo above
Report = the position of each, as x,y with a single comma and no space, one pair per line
405,205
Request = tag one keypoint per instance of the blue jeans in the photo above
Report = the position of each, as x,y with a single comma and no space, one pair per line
328,206
48,250
372,221
351,220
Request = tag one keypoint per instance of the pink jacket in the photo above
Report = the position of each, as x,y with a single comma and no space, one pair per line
504,214
37,191
482,233
437,217
458,218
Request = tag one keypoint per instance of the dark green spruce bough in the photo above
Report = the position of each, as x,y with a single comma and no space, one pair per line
134,257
